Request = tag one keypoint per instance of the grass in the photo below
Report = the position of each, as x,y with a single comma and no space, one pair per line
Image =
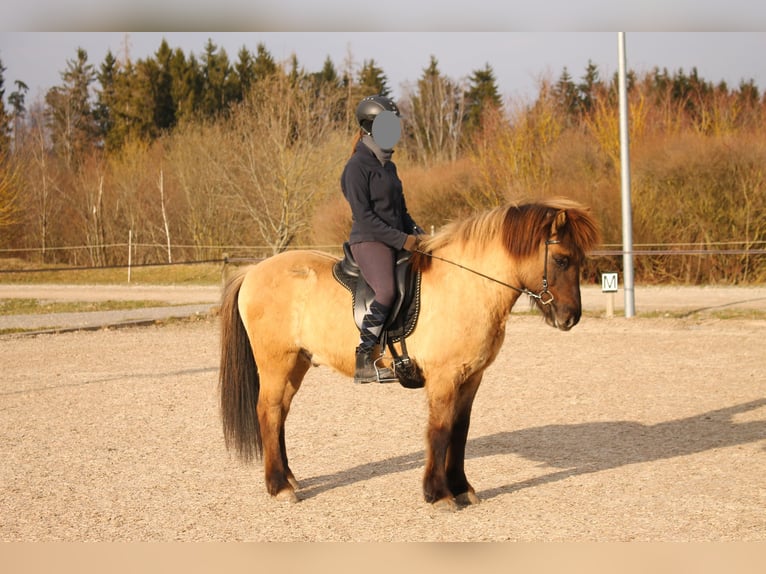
36,306
15,271
723,314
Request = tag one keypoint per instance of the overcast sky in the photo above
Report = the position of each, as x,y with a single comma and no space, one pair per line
522,41
519,59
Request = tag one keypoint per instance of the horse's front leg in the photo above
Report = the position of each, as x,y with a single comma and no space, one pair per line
441,403
458,483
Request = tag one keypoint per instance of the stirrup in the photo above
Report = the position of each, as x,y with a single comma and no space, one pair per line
384,374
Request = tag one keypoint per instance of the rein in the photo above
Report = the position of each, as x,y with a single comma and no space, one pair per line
545,297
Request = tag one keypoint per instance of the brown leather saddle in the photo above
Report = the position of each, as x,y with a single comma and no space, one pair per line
403,316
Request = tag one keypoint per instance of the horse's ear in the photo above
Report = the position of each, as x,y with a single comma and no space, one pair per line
558,221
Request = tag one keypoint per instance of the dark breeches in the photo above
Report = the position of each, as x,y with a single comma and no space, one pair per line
376,262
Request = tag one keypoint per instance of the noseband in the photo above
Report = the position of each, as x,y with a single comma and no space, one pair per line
545,296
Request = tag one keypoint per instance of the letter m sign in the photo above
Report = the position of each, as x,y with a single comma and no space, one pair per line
609,282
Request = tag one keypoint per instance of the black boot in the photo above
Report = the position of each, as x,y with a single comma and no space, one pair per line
368,372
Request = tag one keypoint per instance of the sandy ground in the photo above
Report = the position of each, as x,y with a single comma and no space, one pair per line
643,429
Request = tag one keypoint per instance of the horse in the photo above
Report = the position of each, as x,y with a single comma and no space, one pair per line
287,313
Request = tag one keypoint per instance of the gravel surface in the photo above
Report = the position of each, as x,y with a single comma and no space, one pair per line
648,429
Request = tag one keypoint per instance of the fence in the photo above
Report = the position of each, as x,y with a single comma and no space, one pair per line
140,255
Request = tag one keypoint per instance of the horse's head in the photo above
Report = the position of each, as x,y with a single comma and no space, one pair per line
564,232
547,242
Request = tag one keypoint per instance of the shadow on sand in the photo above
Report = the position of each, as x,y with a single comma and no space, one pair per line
577,449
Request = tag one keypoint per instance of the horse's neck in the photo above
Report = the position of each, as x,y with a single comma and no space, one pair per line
486,273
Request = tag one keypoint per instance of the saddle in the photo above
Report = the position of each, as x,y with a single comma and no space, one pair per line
404,312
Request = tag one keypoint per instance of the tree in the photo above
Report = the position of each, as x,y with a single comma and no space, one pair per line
246,72
161,82
188,85
218,83
372,80
328,75
588,90
565,96
481,96
71,118
287,155
5,119
17,100
264,63
435,115
106,100
10,208
39,183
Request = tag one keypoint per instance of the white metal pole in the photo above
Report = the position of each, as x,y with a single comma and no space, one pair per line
130,251
627,217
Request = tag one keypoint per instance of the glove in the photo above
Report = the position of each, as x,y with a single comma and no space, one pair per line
411,243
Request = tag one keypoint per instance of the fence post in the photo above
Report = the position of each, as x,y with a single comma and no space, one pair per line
130,251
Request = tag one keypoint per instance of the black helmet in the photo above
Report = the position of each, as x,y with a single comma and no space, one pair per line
370,107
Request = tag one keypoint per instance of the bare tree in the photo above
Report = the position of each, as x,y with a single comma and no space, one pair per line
198,159
10,209
286,154
40,182
435,112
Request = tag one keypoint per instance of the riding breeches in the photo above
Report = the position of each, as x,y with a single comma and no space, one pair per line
376,262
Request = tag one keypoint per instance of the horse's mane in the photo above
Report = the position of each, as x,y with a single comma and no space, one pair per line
520,227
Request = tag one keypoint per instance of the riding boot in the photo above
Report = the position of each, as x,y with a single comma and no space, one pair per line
372,327
367,371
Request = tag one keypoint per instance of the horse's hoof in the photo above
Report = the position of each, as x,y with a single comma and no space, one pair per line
467,498
445,505
287,495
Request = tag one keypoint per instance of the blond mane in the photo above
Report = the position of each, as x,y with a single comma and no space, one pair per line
520,227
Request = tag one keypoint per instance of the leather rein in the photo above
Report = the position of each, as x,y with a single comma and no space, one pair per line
545,296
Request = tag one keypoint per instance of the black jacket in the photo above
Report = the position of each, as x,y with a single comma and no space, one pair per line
374,191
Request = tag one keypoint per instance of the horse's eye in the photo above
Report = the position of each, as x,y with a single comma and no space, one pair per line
561,262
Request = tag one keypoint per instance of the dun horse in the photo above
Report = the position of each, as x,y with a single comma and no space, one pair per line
288,313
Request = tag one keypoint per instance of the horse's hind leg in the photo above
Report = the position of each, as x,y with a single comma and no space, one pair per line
278,387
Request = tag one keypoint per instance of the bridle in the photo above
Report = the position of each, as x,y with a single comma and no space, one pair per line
545,296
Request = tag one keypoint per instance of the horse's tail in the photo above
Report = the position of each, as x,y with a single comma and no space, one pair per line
238,378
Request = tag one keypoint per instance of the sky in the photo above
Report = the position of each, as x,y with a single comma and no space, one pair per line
519,59
522,41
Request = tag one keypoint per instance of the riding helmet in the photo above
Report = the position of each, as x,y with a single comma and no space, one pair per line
370,107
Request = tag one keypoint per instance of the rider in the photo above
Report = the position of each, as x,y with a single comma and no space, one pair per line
381,224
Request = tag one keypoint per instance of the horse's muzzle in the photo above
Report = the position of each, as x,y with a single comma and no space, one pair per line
560,318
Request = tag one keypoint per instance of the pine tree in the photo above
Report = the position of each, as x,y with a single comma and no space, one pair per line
589,87
188,85
217,74
264,63
566,96
372,80
5,118
435,115
17,101
245,69
161,80
71,118
106,100
482,95
328,75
